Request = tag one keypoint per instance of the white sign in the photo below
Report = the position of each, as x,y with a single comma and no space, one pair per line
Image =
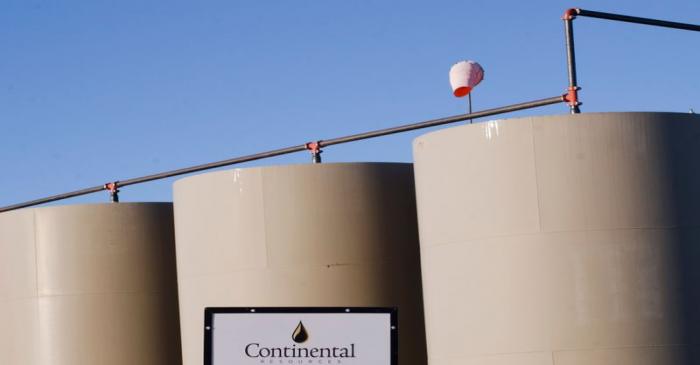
343,336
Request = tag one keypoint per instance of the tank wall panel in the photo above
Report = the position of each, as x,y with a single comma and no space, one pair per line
300,235
571,239
89,284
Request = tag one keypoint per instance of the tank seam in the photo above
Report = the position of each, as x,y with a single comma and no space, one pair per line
553,352
317,266
264,213
623,347
537,178
93,293
497,236
36,254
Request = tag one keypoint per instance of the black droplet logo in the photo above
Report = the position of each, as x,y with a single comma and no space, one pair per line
300,335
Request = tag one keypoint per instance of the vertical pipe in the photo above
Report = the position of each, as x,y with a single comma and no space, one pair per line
113,189
470,108
571,61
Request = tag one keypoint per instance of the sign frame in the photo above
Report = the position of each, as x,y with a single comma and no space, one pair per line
210,312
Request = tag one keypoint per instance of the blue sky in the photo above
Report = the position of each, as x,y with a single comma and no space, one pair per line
96,91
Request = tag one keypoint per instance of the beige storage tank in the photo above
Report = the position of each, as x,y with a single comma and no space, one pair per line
300,235
89,284
562,240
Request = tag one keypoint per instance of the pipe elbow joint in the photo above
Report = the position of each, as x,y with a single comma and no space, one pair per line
570,14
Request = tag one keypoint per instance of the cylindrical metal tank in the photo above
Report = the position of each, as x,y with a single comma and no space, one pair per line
562,240
89,284
299,235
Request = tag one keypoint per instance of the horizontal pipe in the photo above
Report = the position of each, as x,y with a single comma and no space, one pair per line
53,198
442,121
571,65
638,20
287,150
212,165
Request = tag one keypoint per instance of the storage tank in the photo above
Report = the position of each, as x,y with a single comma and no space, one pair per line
89,284
319,235
562,240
